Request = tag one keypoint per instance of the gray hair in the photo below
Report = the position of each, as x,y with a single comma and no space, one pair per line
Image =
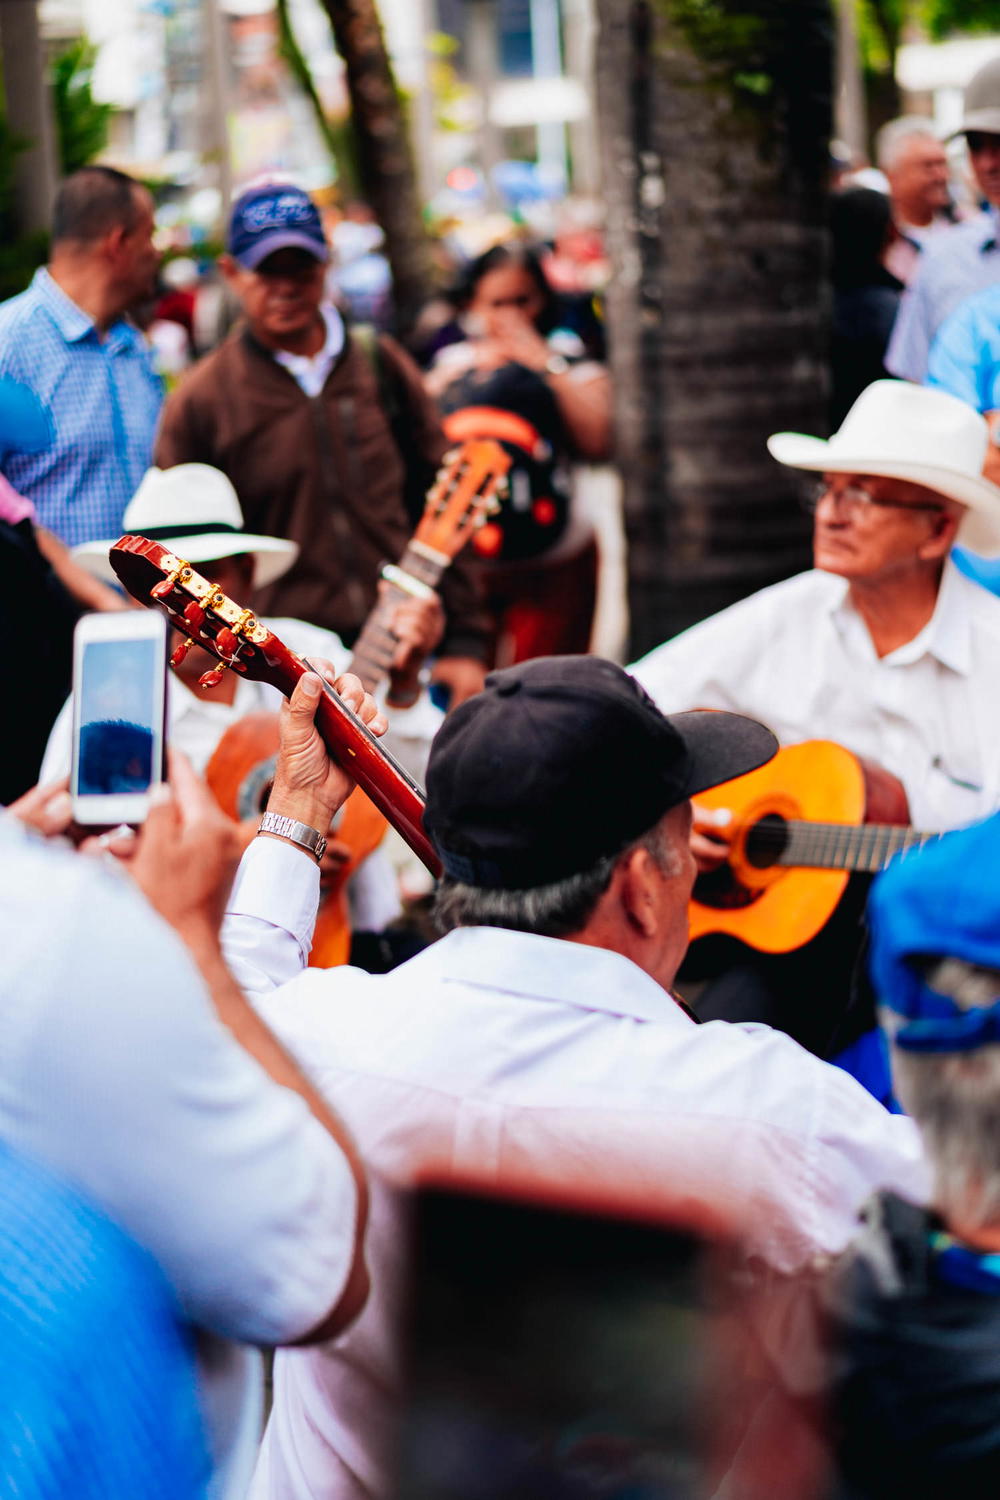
892,137
955,1099
559,909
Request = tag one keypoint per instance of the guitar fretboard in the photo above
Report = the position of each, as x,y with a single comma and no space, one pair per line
832,846
375,646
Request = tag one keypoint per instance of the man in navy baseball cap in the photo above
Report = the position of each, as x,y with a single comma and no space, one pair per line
328,437
274,216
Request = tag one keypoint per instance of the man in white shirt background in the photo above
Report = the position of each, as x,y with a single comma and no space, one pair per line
539,1038
915,165
884,647
965,258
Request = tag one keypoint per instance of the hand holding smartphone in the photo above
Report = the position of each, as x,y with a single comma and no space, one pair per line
119,715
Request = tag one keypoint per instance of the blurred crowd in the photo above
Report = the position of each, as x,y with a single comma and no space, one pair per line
246,1033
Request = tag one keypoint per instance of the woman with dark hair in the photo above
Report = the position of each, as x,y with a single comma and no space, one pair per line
865,294
520,377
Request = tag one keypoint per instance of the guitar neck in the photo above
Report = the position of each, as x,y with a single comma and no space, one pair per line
376,645
839,846
358,752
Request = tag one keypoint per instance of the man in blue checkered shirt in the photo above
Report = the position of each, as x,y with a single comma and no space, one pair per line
67,338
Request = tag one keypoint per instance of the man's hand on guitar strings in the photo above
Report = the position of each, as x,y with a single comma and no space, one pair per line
710,840
418,625
308,785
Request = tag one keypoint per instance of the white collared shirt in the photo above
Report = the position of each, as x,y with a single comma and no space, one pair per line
502,1055
311,370
798,657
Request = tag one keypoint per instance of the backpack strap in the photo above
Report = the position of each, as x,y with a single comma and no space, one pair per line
393,402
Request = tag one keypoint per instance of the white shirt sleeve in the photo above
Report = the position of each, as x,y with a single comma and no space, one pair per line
707,665
268,928
120,1077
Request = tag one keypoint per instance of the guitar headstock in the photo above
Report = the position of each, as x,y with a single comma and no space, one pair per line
464,493
207,616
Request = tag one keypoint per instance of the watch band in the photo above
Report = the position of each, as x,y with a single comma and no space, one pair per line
556,364
295,832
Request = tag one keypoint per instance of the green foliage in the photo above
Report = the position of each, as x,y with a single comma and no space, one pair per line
81,123
338,135
19,254
881,23
772,59
729,35
942,18
764,52
448,90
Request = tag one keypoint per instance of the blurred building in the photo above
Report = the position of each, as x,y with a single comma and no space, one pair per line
193,79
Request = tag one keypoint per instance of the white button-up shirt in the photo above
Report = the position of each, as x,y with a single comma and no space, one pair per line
799,657
504,1056
117,1074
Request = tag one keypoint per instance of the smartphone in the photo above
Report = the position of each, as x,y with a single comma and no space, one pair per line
119,715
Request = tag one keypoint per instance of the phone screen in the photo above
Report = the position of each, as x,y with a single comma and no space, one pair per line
120,717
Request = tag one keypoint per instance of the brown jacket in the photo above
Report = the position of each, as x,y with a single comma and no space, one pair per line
323,471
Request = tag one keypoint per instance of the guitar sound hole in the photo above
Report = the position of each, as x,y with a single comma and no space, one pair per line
720,889
766,842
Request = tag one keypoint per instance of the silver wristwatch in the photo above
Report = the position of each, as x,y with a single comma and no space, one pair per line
295,833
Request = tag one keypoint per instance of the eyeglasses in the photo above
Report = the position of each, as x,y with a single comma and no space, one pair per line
858,499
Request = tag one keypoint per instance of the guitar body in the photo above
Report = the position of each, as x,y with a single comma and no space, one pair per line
239,775
775,907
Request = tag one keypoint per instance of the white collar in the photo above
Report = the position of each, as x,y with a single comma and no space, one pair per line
316,367
544,968
947,636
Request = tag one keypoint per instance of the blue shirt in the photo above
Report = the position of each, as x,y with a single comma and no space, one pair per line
965,355
953,265
102,400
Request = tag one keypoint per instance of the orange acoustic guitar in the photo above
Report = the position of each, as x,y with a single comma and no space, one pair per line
797,831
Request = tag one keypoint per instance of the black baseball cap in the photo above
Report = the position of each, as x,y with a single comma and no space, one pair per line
563,760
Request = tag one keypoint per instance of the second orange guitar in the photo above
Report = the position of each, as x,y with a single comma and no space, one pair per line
797,830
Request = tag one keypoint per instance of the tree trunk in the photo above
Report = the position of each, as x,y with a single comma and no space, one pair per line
384,152
29,114
715,120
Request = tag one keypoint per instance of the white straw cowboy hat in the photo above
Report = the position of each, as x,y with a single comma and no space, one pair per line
901,431
194,511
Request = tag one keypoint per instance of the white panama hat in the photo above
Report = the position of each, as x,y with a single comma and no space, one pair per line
901,431
194,511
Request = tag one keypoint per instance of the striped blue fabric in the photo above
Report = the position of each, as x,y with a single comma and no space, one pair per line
102,399
98,1395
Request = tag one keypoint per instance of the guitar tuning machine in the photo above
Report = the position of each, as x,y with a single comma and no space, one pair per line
177,656
214,677
166,585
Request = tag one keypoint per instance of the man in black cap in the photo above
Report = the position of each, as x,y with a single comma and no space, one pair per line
538,1041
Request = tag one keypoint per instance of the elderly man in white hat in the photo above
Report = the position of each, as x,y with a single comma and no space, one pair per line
884,646
194,509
